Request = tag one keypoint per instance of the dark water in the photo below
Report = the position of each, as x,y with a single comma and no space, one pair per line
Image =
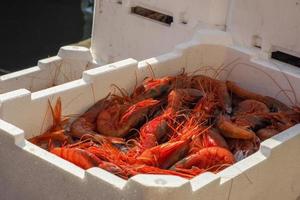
35,29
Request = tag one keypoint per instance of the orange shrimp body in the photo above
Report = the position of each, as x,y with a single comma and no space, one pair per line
85,124
218,87
212,158
79,157
205,107
280,121
153,131
176,125
178,97
272,103
250,106
152,88
116,121
157,128
211,138
164,155
231,130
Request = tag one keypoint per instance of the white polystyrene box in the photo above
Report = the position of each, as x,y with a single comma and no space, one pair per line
28,172
272,24
67,66
120,34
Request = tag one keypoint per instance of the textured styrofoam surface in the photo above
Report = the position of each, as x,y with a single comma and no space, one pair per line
119,34
28,172
67,66
274,23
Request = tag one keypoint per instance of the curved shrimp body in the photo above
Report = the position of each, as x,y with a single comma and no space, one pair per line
212,158
108,152
250,122
210,138
280,121
153,88
100,153
153,131
205,107
272,103
249,114
157,128
213,139
218,87
178,97
85,124
117,120
79,157
231,130
251,106
164,155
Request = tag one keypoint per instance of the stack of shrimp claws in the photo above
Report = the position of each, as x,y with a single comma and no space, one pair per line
176,125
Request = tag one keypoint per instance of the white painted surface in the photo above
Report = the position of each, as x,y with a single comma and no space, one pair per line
28,172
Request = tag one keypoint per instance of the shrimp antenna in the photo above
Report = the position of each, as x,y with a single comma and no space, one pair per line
45,116
122,91
223,67
268,75
203,68
150,68
136,80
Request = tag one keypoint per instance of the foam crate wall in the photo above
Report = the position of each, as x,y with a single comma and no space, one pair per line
67,66
118,34
273,25
29,172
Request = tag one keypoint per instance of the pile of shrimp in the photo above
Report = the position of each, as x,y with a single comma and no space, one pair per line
176,125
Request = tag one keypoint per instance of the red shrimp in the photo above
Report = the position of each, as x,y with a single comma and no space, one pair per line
116,120
218,87
211,158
